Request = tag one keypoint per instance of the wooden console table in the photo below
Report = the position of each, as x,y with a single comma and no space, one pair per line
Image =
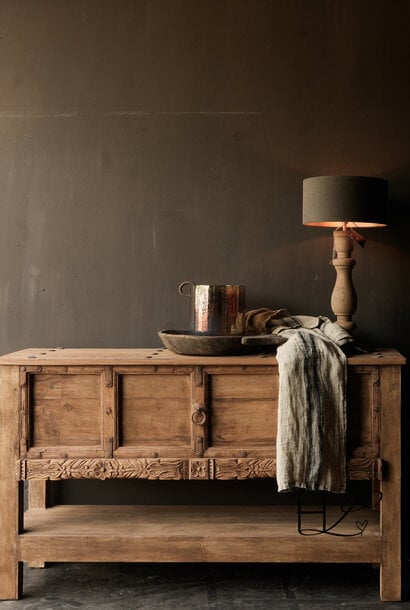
151,414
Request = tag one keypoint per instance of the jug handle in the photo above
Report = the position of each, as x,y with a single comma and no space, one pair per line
181,288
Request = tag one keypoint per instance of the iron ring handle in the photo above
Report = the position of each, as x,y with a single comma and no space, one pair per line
199,416
182,286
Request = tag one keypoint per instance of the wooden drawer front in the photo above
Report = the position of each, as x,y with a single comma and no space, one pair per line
154,414
363,412
64,414
243,413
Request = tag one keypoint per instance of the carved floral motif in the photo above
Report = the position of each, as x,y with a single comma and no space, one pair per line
201,469
171,469
244,468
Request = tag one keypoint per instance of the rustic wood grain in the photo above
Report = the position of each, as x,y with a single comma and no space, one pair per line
190,533
128,356
10,489
390,508
38,498
156,415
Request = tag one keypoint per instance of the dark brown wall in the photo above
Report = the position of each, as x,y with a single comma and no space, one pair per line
144,143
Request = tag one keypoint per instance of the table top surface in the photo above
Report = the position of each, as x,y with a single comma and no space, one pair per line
60,356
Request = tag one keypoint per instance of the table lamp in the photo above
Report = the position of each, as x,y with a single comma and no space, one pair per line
346,203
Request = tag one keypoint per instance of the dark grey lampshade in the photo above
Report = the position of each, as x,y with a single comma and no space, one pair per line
329,201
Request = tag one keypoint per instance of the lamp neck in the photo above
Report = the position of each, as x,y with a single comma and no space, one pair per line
342,243
344,229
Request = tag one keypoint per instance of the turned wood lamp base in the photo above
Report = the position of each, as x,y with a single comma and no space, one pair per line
344,298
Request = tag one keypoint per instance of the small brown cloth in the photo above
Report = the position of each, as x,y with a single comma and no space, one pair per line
263,319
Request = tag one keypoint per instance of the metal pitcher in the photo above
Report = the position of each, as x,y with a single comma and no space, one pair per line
216,309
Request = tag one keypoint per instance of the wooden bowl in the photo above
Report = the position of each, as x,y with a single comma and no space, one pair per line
185,342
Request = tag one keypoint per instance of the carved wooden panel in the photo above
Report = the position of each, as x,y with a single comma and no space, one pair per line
201,469
164,469
172,469
243,468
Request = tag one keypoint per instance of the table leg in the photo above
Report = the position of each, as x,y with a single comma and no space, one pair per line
390,568
38,499
11,496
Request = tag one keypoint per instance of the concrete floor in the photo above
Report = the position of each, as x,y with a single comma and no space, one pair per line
200,586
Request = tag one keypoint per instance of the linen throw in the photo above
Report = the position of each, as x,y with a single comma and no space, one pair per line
311,437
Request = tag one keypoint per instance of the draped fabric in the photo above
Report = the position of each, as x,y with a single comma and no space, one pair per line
311,438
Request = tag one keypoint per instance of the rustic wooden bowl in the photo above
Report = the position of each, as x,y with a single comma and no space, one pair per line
184,342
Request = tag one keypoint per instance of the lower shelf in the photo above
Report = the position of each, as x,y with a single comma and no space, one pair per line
196,534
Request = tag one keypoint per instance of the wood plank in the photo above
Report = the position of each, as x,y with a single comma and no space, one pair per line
121,356
109,411
243,423
125,356
363,411
259,387
274,521
65,410
56,422
65,387
191,533
25,421
158,386
38,498
149,421
154,410
154,450
66,451
197,549
380,357
243,409
390,442
199,416
10,488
